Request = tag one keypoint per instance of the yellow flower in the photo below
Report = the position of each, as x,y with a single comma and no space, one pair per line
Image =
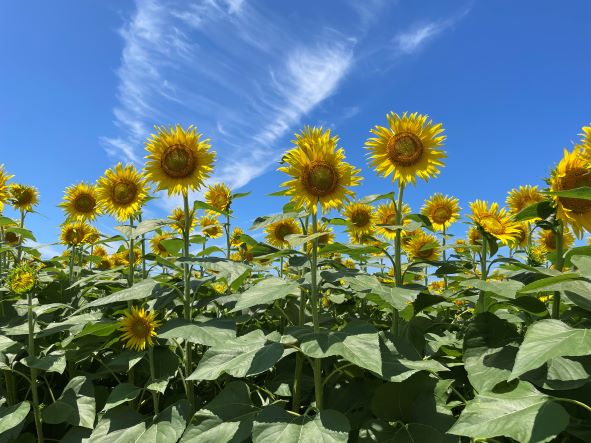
349,263
538,254
276,232
437,286
220,287
73,234
156,243
519,199
386,215
139,328
105,264
494,220
545,298
99,251
441,210
4,188
521,237
23,197
422,246
318,170
220,197
121,258
21,279
585,144
81,202
570,173
91,235
360,217
210,227
408,148
178,159
459,246
547,239
474,236
243,254
178,217
122,191
235,237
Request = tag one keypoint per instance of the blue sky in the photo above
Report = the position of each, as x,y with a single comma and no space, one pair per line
83,83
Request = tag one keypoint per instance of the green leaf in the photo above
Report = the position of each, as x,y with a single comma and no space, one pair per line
120,394
169,424
262,222
418,433
266,291
211,332
227,418
24,233
548,339
233,272
139,291
584,193
75,406
549,283
54,362
523,414
504,289
296,240
12,419
398,298
274,425
583,264
541,210
246,355
144,227
119,425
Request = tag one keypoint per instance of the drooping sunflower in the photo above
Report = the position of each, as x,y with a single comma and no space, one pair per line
178,160
521,237
81,202
521,198
386,215
121,258
474,237
156,243
210,227
220,197
23,197
4,188
319,171
547,239
74,234
442,210
122,191
92,235
105,264
360,217
423,246
585,144
178,217
570,173
12,238
235,237
99,251
494,220
139,328
408,148
21,279
243,254
276,232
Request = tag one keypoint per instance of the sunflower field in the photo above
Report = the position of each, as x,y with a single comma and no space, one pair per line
356,319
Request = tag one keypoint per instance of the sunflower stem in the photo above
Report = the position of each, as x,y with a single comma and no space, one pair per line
31,349
443,242
71,268
143,241
20,240
130,255
559,265
394,328
227,229
153,379
297,382
318,390
187,296
480,308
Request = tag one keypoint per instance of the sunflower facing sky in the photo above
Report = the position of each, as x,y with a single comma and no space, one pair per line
139,328
219,196
423,246
521,198
122,191
360,217
178,218
319,173
81,202
178,160
74,234
4,188
385,214
210,227
442,210
156,243
23,197
276,232
494,220
408,148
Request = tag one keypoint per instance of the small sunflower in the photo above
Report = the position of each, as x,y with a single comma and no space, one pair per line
243,254
521,237
423,246
81,202
179,160
318,170
547,239
521,198
139,328
360,217
385,214
106,263
91,235
474,237
408,148
4,188
156,243
325,239
459,246
210,227
220,197
121,258
537,254
99,251
442,210
21,279
494,220
235,237
219,287
276,232
178,217
570,173
349,263
23,197
437,287
74,234
122,191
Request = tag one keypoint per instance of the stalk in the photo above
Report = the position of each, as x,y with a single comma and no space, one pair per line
36,410
130,255
318,391
20,241
480,308
397,257
187,296
299,367
153,379
144,275
227,229
443,241
71,267
559,264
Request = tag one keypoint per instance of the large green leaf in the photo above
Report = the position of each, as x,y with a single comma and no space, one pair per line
227,418
53,362
274,425
548,339
398,298
265,292
555,283
12,419
296,240
119,425
246,355
208,332
584,192
168,426
233,272
523,413
505,289
139,291
120,394
75,406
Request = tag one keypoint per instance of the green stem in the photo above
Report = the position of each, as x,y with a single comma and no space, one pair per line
31,349
144,274
443,242
397,257
299,368
574,402
187,297
130,255
559,265
480,308
153,379
227,229
20,241
318,388
71,267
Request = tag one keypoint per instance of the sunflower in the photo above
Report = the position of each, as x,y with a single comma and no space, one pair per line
519,199
318,170
537,254
4,188
156,244
235,237
121,258
423,246
220,197
210,227
570,173
23,197
91,235
99,251
178,159
385,214
441,210
408,148
360,217
459,245
21,279
74,234
585,144
547,239
243,254
122,191
494,220
178,217
323,240
219,287
81,202
139,328
474,237
106,263
276,232
437,287
349,263
521,238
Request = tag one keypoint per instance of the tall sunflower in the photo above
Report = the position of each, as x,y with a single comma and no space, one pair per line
178,159
220,197
81,202
23,197
139,328
360,217
276,232
423,246
386,215
494,220
210,227
4,188
178,218
570,173
521,198
408,148
318,170
122,191
442,210
156,243
547,239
